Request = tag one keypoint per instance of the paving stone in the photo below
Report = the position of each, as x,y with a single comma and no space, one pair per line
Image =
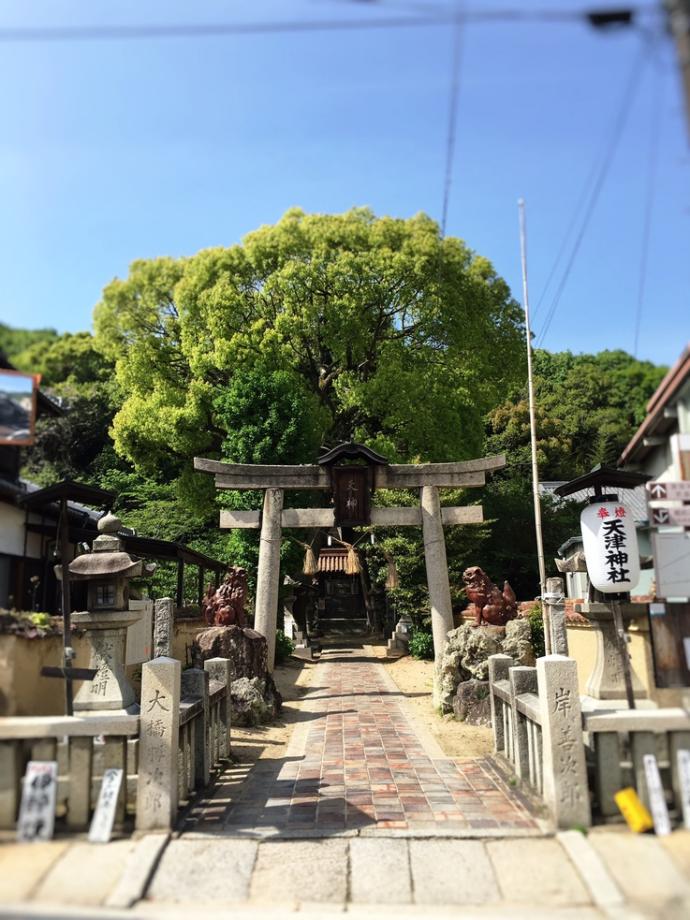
380,871
22,866
641,866
298,872
450,872
360,741
536,871
85,875
206,871
677,845
137,871
603,889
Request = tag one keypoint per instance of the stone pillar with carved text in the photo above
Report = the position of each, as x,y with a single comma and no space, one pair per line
268,575
436,568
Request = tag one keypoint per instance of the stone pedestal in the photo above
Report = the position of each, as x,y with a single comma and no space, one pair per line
606,682
106,633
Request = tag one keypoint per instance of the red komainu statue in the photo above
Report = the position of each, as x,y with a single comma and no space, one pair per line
491,606
224,605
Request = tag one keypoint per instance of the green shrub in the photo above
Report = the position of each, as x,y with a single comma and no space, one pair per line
284,647
422,644
536,623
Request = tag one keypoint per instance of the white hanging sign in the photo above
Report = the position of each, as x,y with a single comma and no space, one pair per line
684,783
609,539
657,799
37,809
104,815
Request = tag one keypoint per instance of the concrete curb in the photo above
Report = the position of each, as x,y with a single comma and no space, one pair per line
139,870
590,866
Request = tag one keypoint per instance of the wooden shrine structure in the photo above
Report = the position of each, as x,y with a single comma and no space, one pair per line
350,474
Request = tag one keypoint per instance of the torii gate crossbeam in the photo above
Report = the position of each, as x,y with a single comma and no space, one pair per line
427,477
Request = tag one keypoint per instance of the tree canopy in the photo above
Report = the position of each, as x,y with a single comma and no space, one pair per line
400,338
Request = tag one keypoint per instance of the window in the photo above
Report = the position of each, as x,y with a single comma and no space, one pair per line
105,595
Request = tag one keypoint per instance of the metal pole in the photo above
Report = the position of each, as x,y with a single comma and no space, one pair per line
679,25
533,429
68,651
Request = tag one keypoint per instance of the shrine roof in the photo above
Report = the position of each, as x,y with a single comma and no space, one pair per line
602,478
351,451
71,491
332,561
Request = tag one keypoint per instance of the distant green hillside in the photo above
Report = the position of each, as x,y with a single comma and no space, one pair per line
14,341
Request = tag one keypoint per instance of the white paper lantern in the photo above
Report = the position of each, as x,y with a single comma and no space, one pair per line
609,538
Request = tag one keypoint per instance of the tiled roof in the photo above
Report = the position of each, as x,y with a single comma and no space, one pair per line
634,498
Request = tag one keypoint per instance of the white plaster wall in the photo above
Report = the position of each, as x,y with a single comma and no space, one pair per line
12,533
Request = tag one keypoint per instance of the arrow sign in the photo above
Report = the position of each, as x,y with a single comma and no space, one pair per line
679,517
669,491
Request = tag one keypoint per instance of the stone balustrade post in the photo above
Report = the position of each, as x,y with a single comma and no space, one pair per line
499,666
555,599
522,680
566,792
163,626
220,669
159,732
195,686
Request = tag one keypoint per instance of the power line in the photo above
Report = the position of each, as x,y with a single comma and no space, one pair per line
31,34
652,156
455,63
616,133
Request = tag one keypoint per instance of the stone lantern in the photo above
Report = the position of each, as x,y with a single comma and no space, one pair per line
107,569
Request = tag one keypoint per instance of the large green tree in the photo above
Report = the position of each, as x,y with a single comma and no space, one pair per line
399,337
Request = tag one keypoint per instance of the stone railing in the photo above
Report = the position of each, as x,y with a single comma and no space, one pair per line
570,758
537,724
618,742
167,751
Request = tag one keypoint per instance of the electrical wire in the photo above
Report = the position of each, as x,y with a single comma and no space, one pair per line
620,120
456,60
206,30
652,158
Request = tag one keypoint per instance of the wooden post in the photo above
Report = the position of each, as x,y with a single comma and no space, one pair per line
436,568
179,599
201,586
268,575
66,606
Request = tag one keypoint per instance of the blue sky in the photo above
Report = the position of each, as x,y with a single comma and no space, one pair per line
112,151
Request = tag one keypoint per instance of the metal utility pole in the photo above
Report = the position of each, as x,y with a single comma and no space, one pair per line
533,429
678,12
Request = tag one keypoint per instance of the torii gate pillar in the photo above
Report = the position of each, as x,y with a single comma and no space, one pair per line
268,575
436,568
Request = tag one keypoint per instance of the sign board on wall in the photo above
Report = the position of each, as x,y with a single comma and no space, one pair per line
672,563
609,539
18,394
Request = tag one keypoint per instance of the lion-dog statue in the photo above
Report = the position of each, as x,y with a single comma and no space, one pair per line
491,606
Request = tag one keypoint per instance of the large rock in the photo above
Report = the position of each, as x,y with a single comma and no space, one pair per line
254,695
472,703
467,651
254,701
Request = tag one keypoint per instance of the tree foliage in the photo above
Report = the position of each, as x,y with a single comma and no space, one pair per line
401,338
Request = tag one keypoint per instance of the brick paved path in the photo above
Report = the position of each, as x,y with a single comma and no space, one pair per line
359,761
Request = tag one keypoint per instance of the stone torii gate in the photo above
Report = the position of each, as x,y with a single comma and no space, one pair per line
351,485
